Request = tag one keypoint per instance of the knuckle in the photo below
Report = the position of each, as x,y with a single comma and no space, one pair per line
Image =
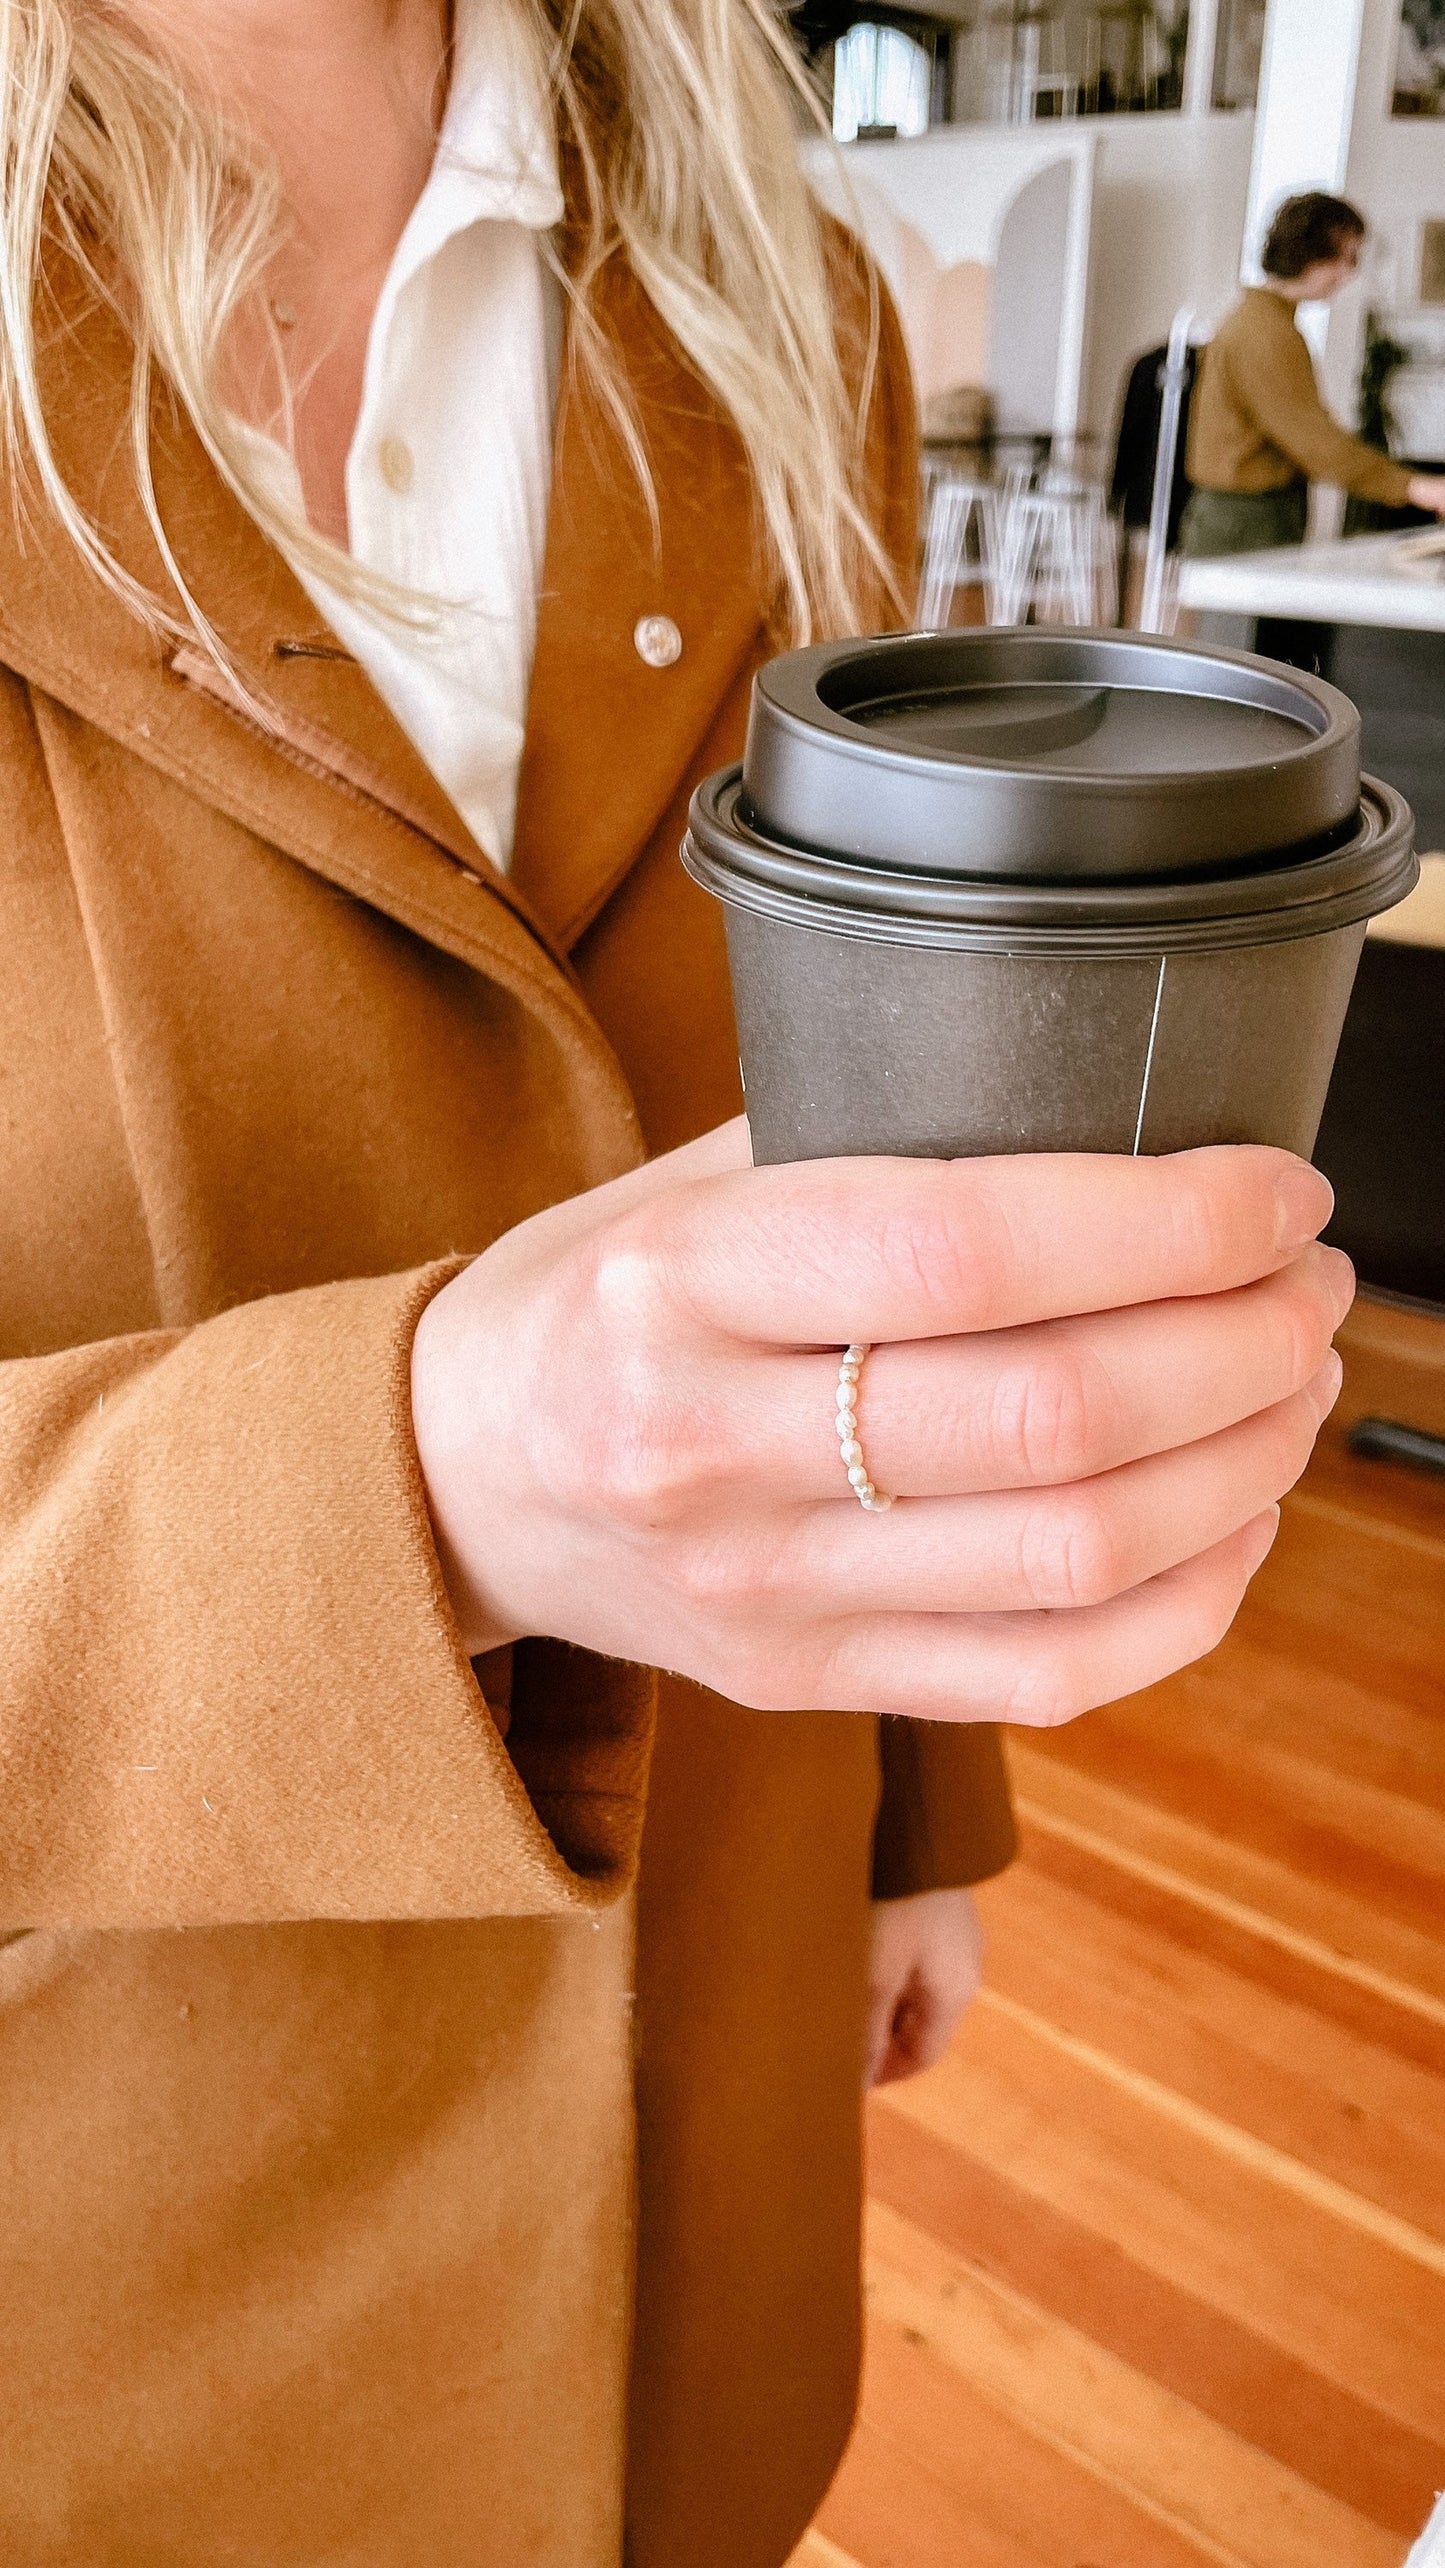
1068,1552
1048,1690
1202,1216
637,1446
629,1455
1053,1417
627,1275
1204,1623
767,1675
950,1251
927,1259
710,1579
631,1477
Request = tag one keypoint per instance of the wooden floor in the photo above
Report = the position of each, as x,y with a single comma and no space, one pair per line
1157,2256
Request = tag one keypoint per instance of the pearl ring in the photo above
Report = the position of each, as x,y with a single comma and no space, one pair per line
849,1373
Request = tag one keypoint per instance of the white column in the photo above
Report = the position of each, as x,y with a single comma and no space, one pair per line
1199,57
1306,107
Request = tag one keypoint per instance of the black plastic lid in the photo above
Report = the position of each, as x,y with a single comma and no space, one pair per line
1031,751
1316,893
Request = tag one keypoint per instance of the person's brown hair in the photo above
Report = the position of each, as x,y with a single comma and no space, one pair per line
1307,230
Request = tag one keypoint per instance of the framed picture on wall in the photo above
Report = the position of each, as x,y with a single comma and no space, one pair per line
1420,59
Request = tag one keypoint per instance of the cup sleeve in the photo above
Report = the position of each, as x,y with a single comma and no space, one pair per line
945,1818
232,1686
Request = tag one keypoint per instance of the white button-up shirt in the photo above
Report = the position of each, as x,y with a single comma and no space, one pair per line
449,472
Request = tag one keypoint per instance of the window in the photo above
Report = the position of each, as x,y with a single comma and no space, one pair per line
882,83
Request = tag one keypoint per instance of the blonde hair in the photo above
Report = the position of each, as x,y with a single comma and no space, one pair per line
677,120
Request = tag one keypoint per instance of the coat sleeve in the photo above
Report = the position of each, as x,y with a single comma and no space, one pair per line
232,1688
944,1813
1283,397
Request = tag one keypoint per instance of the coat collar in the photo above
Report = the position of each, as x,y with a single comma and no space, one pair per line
339,786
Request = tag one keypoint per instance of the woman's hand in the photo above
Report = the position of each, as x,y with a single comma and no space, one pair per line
1091,1380
924,1966
1427,490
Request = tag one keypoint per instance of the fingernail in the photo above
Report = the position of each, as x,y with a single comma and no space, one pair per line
1304,1201
1258,1538
1326,1384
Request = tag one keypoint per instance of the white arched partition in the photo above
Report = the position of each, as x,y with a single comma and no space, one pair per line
983,236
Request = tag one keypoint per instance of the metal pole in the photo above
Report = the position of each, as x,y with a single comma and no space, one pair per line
1173,379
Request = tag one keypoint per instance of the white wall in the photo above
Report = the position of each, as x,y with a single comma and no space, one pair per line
1395,173
1169,199
1016,199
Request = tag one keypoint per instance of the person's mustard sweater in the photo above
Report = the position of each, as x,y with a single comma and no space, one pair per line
1257,422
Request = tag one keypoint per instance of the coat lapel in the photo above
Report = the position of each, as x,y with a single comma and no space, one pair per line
331,778
332,771
609,735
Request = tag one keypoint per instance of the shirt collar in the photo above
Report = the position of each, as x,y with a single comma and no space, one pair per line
496,157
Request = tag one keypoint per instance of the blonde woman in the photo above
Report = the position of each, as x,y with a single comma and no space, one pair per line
430,2132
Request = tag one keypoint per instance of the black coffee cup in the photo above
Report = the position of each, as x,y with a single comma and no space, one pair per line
1034,890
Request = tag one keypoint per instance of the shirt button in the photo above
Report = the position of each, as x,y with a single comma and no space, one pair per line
394,462
658,640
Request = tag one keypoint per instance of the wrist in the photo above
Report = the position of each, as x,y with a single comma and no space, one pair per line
447,1449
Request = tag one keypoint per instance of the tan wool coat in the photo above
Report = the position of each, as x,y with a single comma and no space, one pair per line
425,2145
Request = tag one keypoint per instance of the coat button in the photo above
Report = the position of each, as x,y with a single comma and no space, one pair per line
658,640
394,462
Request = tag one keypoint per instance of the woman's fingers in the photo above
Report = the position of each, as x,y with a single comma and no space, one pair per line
1041,1670
834,1250
1015,1408
1076,1546
599,1467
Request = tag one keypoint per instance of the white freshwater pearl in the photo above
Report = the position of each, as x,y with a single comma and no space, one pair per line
851,1451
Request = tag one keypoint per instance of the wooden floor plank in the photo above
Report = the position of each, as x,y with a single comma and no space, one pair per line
1297,2177
1331,1913
1210,2484
950,2481
1293,1777
1319,2430
1187,1916
1229,2231
1333,1715
1178,1754
1226,2039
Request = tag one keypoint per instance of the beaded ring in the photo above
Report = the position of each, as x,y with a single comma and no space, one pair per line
849,1373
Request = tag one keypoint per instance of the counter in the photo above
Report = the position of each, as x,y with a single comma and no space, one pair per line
1349,610
1355,581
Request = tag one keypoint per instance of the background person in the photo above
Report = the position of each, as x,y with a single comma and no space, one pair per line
430,2048
1259,433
